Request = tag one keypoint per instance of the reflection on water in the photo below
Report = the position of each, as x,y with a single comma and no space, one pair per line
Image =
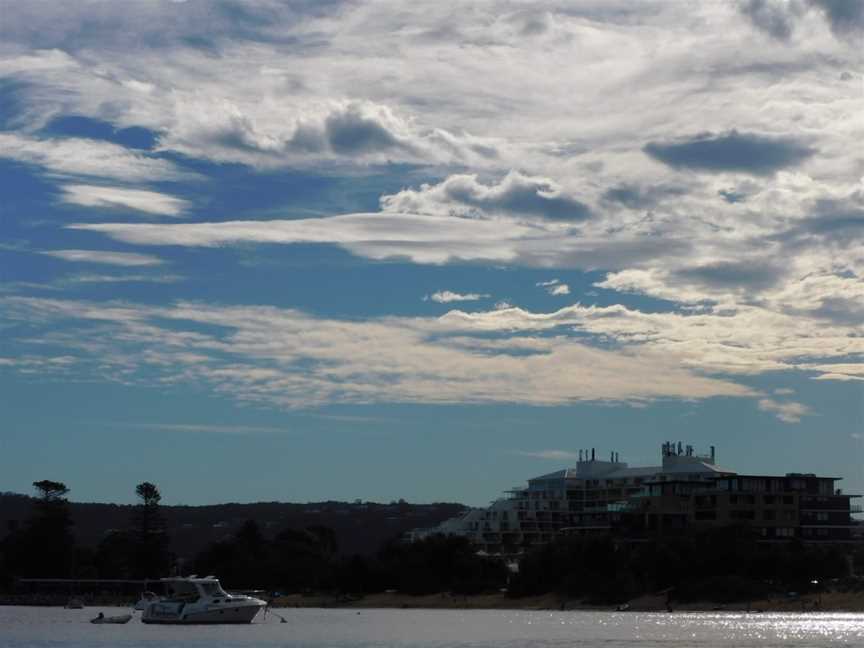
29,627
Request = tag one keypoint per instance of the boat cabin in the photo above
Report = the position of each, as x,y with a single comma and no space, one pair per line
188,590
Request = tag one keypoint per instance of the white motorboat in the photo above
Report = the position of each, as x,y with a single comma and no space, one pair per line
200,600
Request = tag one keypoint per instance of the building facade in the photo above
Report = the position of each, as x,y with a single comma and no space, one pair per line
685,493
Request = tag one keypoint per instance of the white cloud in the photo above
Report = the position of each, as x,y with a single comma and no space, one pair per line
515,194
554,287
844,371
447,296
762,273
291,80
150,202
788,411
131,259
722,339
420,237
85,157
290,359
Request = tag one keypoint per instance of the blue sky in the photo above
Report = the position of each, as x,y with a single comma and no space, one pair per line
339,250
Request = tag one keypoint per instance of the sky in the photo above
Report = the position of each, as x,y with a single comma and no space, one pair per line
316,250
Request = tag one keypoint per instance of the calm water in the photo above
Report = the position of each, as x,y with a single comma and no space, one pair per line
22,627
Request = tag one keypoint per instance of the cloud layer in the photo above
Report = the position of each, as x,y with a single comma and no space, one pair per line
702,161
290,359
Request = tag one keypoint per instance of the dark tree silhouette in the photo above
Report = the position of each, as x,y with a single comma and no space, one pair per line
45,547
151,556
50,491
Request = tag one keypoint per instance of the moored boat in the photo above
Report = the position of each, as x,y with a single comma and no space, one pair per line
120,618
195,600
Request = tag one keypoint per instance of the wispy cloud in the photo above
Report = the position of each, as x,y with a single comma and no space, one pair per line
151,202
764,340
552,455
447,296
130,259
86,157
120,278
205,428
288,358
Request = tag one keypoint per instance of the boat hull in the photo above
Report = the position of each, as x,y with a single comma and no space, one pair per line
125,618
220,615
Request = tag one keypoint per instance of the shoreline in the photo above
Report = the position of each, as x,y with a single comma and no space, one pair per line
824,602
820,602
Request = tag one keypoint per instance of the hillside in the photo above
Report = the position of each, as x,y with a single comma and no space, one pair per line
360,527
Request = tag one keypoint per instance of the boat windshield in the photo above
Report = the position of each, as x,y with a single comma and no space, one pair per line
212,588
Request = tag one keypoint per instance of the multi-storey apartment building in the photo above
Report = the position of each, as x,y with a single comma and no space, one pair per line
684,493
778,508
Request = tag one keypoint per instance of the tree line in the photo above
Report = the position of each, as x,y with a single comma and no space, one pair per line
723,564
293,560
45,546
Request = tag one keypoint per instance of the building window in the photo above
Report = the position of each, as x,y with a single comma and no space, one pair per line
769,514
768,499
783,532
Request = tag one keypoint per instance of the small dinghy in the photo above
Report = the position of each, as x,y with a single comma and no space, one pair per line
122,618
